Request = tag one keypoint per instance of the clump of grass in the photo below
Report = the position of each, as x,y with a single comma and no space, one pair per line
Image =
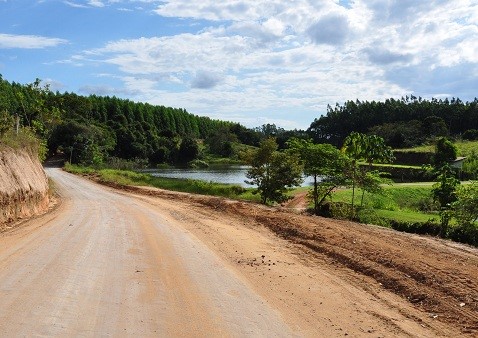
25,139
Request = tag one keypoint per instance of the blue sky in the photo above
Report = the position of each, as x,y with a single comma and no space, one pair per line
249,61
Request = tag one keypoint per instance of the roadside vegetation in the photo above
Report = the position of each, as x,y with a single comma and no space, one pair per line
134,178
350,147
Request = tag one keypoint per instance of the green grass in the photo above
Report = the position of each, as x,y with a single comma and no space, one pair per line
126,177
465,148
406,215
402,202
25,139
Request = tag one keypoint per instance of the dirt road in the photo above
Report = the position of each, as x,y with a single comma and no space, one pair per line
108,263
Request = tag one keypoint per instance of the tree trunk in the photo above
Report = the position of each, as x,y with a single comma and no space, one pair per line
316,197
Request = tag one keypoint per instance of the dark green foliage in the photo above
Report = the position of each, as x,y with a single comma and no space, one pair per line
445,152
81,143
338,210
188,150
273,171
139,130
470,134
220,142
400,122
423,228
467,233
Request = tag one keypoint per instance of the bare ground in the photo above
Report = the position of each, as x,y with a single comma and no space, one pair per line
151,262
437,277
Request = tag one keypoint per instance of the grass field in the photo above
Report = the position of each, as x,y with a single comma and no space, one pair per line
465,148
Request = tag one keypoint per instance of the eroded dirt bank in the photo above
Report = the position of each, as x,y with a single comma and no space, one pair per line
23,186
437,278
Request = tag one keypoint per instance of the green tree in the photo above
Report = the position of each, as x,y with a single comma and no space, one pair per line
465,208
188,150
445,152
272,171
444,192
324,163
374,151
354,149
6,122
371,149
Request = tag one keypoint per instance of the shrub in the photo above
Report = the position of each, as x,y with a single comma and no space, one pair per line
369,216
470,134
429,227
339,210
467,233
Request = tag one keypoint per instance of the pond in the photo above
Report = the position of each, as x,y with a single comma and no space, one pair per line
232,174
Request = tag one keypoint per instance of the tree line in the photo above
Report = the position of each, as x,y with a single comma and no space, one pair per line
401,122
89,129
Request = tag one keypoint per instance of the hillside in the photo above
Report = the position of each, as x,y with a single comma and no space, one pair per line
24,187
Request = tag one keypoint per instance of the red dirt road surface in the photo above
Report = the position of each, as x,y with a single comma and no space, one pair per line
145,262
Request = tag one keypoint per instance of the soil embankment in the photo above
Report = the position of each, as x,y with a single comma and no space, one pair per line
23,186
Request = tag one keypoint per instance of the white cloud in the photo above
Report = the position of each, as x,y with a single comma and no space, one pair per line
270,56
9,41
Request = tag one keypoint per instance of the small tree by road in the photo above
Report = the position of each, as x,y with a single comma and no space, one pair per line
371,149
273,172
324,163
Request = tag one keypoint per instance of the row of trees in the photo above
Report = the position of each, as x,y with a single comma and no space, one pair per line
91,129
273,172
402,123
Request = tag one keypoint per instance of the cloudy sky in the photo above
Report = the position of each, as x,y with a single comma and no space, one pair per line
249,61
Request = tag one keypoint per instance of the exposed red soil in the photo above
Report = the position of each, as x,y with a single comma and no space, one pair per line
438,277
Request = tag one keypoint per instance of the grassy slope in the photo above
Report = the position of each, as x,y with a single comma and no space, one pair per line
465,148
400,202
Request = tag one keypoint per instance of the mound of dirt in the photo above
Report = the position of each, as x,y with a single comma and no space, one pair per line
23,186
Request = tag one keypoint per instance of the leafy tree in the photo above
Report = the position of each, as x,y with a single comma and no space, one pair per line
444,192
220,142
354,149
325,163
434,126
81,143
369,148
188,150
272,171
445,152
374,151
465,208
6,122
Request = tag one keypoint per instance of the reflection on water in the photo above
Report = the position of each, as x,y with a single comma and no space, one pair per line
232,174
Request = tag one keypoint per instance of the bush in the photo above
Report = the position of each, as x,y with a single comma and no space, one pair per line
429,227
467,233
369,216
25,139
470,135
339,210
